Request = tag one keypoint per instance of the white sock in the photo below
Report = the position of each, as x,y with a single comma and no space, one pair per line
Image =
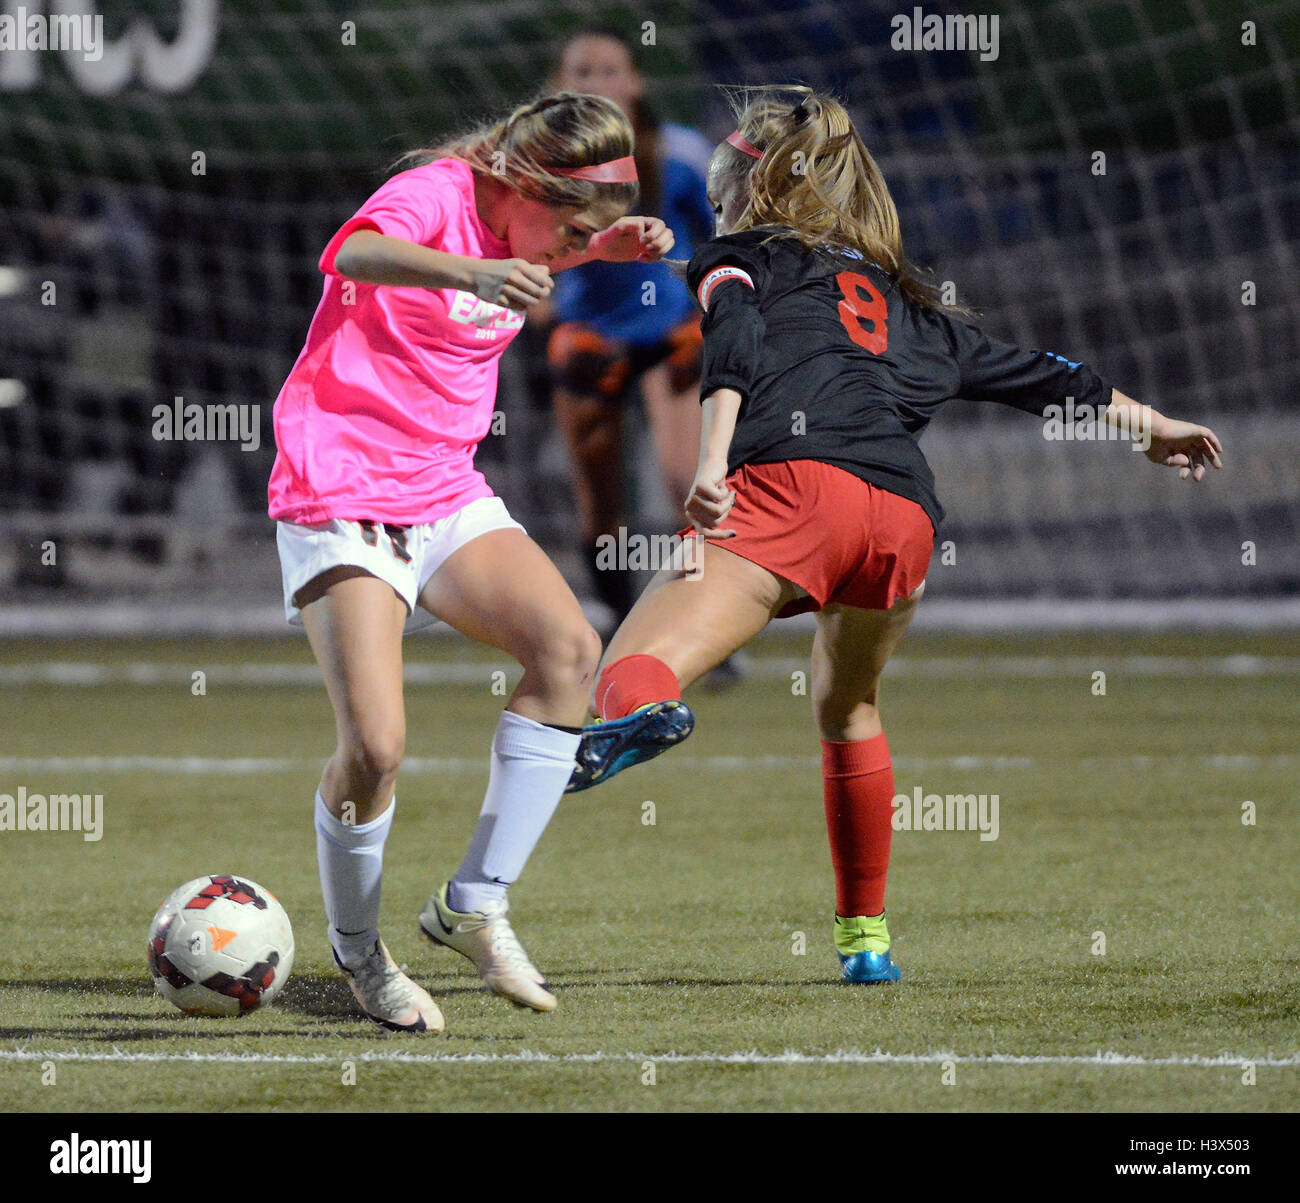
351,861
531,765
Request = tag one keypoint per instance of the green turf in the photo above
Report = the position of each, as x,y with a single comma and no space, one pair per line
683,937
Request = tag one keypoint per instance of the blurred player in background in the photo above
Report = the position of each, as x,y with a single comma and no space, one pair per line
617,327
824,359
382,513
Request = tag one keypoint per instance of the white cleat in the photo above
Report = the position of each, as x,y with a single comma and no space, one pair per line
487,939
389,997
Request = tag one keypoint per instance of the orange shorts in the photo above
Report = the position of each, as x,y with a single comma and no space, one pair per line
583,359
842,540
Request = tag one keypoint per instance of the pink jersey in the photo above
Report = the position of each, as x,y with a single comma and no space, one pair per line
393,391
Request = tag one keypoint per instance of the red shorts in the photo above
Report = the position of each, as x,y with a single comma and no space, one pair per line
841,539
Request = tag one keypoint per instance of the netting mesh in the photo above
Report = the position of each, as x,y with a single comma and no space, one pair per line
1120,183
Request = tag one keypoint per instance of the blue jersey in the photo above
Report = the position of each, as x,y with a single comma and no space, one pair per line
611,296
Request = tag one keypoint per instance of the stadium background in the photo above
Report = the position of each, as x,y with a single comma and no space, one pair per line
1146,778
170,283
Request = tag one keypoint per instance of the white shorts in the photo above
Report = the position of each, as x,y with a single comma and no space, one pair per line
405,557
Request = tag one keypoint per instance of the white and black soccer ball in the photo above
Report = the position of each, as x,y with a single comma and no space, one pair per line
220,945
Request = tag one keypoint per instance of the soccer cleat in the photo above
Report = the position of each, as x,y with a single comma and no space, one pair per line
389,997
487,939
609,748
867,968
862,945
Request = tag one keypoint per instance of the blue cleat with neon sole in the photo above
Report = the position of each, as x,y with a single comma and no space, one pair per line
609,748
862,946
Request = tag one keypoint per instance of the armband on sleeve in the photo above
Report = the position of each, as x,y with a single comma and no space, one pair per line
719,274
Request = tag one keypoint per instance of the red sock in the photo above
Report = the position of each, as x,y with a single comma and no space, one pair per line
633,681
858,788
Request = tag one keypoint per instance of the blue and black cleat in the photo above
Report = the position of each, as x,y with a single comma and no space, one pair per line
609,748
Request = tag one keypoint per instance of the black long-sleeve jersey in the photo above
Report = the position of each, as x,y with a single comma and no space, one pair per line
834,364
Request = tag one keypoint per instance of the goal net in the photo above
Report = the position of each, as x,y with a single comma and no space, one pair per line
1117,181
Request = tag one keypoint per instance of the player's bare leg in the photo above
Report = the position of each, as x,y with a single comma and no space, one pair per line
850,651
502,590
593,433
693,616
674,420
592,429
673,417
849,654
354,623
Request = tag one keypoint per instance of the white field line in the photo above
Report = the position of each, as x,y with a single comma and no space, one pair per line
767,668
249,766
1108,1060
237,617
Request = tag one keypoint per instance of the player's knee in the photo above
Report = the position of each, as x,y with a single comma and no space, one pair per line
582,648
372,757
844,721
586,362
566,654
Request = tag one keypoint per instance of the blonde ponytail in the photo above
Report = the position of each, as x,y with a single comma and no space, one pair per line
817,178
554,130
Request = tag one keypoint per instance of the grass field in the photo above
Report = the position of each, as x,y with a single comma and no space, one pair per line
691,956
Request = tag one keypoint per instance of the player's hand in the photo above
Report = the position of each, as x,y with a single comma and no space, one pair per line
1185,446
514,283
710,501
632,240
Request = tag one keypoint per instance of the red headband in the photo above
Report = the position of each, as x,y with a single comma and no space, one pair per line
616,171
741,144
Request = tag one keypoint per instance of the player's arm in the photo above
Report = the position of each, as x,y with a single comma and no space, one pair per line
995,370
733,338
1034,381
375,258
710,500
1165,441
630,239
733,330
733,326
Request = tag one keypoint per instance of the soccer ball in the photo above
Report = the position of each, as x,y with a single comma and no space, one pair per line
220,946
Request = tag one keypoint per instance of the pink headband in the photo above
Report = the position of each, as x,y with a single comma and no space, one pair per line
742,145
616,171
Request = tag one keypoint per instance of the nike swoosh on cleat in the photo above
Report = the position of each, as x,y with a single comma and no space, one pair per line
437,911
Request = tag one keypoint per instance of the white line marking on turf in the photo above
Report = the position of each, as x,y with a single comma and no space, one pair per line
251,766
230,616
764,668
790,1057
